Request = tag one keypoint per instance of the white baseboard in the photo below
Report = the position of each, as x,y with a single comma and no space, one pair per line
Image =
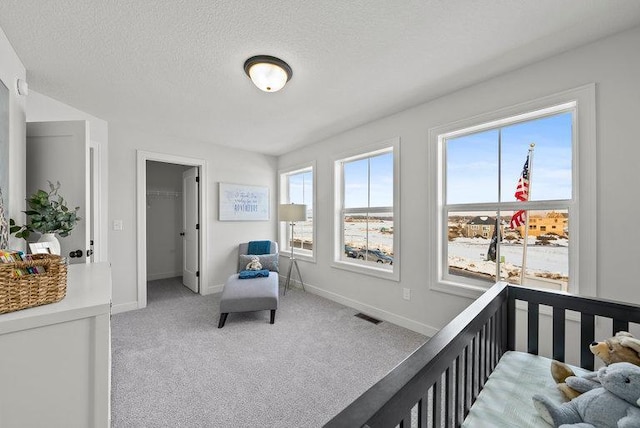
418,327
162,275
124,307
212,289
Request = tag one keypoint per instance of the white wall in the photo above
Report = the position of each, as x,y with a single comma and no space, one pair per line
612,63
11,69
223,165
164,220
41,108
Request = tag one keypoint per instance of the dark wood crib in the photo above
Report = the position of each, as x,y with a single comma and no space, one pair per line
437,384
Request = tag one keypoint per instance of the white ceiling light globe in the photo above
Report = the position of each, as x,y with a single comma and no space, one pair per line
268,73
268,77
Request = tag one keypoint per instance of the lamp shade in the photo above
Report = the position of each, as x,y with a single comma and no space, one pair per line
292,212
268,73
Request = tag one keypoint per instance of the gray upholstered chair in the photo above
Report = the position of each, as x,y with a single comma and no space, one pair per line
254,294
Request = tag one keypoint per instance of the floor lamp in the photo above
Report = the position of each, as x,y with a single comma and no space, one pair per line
292,213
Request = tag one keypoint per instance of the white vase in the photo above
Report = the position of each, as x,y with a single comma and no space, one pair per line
54,244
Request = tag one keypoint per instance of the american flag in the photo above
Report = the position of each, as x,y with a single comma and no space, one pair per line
522,194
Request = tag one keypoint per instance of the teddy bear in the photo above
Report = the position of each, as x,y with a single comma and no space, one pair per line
622,347
254,264
614,401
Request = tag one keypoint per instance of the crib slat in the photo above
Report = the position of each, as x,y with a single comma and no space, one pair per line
533,327
504,335
459,401
619,325
558,333
587,335
423,411
494,342
449,397
481,346
437,403
511,321
468,380
406,421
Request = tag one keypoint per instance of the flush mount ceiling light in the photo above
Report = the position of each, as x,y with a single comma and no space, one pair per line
268,73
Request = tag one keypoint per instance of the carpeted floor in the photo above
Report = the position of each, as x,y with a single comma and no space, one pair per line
172,366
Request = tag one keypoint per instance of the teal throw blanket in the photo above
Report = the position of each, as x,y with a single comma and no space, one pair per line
247,274
259,247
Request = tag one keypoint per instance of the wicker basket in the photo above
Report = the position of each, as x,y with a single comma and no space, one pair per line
26,291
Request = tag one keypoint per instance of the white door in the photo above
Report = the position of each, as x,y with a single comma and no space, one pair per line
190,229
59,151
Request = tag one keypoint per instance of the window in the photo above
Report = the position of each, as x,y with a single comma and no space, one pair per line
516,176
297,187
367,211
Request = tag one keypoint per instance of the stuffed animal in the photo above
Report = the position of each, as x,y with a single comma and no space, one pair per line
254,264
615,400
622,347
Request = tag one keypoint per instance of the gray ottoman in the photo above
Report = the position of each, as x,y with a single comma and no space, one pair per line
246,295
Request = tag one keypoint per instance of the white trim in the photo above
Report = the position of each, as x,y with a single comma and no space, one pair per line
306,255
583,224
388,145
141,203
124,307
212,289
100,226
401,321
163,275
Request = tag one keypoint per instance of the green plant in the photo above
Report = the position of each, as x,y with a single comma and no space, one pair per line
48,213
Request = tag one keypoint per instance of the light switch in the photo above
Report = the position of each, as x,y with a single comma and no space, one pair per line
117,225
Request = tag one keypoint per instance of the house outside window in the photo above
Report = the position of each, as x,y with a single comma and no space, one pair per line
297,186
366,226
483,169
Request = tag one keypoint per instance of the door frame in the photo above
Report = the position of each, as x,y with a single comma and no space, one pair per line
141,203
100,227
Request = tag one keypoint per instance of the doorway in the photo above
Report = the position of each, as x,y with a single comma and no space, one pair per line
172,221
170,199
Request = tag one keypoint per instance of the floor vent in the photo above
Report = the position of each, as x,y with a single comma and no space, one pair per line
368,318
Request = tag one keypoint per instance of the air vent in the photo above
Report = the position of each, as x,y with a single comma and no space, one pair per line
368,318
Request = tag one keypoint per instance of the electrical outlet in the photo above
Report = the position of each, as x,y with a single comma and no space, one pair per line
117,225
406,293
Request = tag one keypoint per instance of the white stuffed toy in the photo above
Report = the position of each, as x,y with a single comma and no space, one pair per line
254,264
612,404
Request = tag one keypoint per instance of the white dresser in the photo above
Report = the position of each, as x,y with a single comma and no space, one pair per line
55,360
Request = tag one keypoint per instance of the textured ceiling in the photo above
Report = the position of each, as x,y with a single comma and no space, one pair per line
175,66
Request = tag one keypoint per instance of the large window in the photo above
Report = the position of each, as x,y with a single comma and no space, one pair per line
297,187
367,211
509,201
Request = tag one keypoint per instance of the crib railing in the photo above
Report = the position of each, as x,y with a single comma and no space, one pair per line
621,315
437,384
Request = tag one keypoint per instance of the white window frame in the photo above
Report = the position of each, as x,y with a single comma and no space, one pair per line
390,145
283,227
582,206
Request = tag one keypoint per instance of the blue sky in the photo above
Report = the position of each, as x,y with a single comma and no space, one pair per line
472,161
300,189
472,167
356,187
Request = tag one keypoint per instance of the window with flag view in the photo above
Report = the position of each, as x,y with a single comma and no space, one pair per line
508,195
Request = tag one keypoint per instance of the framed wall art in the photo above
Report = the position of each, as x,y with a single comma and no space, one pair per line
239,202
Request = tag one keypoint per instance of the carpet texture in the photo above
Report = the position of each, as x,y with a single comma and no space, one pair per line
172,366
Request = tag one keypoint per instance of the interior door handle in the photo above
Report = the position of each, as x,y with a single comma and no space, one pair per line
181,233
76,253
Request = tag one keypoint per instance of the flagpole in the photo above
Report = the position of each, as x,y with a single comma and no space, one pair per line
526,220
